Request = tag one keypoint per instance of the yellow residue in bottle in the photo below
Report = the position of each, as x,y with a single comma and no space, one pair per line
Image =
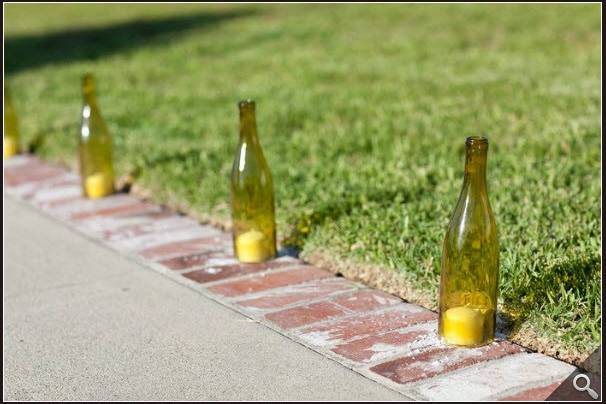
98,185
252,246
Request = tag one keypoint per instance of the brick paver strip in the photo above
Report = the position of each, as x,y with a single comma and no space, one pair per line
381,346
400,316
135,207
440,360
27,190
187,247
58,202
374,333
81,205
53,193
196,260
266,281
280,297
366,300
127,226
219,272
304,315
493,379
32,174
142,224
534,394
358,301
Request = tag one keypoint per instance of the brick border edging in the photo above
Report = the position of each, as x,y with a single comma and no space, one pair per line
370,332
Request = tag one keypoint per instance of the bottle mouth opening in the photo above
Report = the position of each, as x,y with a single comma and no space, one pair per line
247,104
476,140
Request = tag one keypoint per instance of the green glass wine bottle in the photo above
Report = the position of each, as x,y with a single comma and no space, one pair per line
470,259
252,195
11,130
95,146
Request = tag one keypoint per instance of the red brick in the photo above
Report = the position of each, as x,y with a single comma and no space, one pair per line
305,315
440,360
267,281
197,260
60,201
186,247
35,173
367,300
66,210
28,189
400,316
563,390
21,160
136,207
141,224
535,394
383,346
108,226
56,188
277,298
220,272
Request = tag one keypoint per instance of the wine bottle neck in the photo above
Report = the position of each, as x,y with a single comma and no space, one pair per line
89,99
88,89
476,151
248,122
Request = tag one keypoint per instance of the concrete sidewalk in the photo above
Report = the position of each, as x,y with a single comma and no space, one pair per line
84,323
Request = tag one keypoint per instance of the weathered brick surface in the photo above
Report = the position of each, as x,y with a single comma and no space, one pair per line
133,208
218,272
29,189
534,394
82,205
34,172
366,300
202,259
561,390
132,226
493,379
266,281
356,302
56,203
378,347
166,244
55,193
19,161
113,228
280,297
441,359
304,315
339,331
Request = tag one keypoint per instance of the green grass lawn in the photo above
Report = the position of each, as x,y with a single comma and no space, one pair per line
363,111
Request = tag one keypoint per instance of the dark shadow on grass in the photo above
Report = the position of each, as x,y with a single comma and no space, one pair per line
34,51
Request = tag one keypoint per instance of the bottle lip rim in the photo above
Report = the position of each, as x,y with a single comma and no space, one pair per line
246,103
476,140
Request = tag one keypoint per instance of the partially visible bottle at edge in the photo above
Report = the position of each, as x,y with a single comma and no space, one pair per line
11,130
470,259
95,146
252,195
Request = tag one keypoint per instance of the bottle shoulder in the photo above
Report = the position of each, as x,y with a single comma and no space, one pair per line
472,218
250,165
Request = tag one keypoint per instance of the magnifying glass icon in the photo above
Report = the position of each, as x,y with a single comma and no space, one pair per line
586,387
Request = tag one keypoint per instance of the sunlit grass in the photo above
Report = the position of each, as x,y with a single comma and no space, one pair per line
362,112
